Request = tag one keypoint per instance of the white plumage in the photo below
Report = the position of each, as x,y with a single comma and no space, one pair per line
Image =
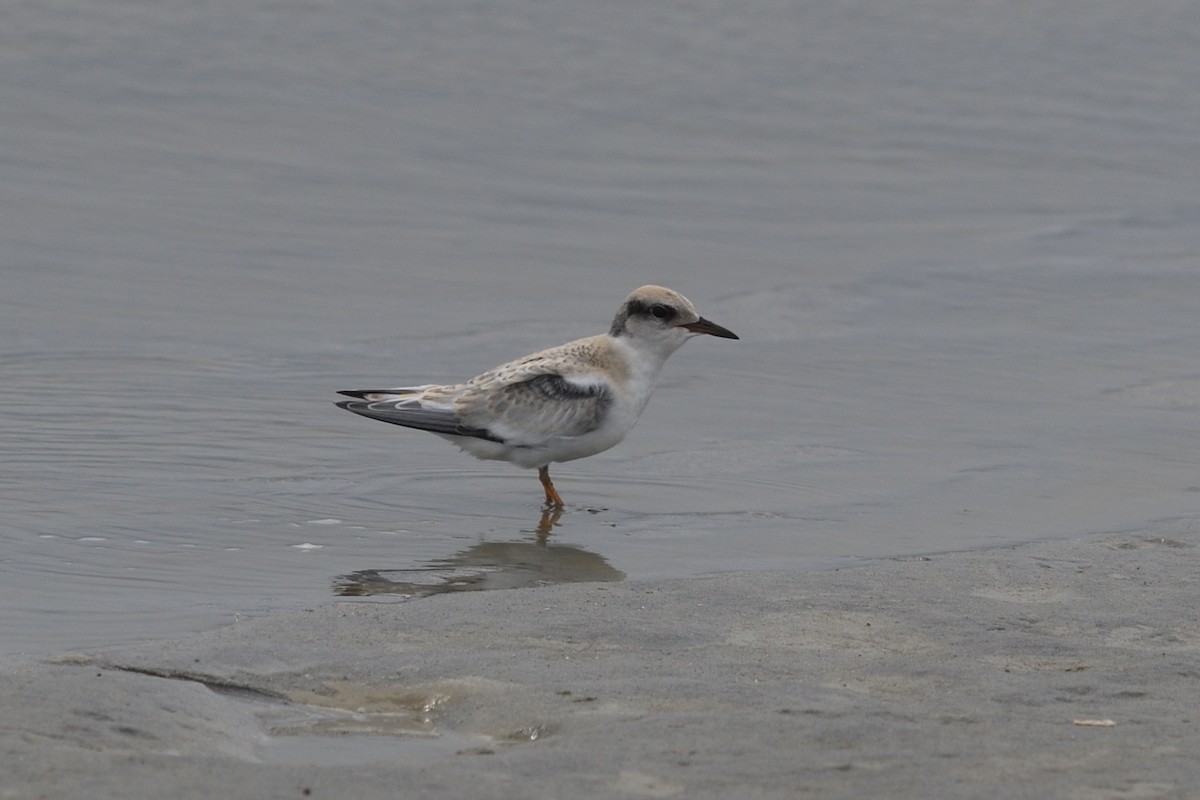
567,402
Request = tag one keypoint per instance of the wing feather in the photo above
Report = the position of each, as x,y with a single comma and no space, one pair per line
411,415
530,411
524,403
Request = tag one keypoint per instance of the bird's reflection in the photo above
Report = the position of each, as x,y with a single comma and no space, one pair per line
550,517
486,566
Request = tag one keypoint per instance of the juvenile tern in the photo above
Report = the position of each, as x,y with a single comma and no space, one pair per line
567,402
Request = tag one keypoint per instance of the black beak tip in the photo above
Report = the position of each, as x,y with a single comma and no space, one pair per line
703,325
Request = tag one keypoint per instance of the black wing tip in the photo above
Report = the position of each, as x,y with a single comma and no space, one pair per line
431,424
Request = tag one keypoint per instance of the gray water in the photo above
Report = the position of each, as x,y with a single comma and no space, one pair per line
959,241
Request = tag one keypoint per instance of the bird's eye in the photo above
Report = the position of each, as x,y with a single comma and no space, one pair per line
660,312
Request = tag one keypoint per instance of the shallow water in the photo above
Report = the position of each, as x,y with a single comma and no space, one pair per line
959,245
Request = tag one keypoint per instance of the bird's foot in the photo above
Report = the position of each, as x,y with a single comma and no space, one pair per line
553,499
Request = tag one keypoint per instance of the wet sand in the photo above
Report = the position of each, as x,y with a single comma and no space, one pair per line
1062,669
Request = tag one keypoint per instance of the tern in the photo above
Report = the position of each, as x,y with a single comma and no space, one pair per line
559,404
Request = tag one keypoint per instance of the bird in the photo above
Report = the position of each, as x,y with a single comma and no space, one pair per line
555,405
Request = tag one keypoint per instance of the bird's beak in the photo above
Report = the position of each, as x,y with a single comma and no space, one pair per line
711,328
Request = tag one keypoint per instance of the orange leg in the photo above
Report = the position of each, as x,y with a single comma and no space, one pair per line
552,498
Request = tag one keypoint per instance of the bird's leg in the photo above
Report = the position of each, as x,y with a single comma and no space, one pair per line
552,498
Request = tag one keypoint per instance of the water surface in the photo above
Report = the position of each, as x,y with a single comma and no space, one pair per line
958,243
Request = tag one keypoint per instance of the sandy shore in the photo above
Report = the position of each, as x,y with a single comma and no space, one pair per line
1065,669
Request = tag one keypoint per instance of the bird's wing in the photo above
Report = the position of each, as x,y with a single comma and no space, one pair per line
427,408
534,408
383,394
557,392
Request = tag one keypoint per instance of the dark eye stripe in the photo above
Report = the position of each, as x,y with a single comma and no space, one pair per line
636,308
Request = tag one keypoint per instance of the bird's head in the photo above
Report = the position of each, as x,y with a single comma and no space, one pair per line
662,319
